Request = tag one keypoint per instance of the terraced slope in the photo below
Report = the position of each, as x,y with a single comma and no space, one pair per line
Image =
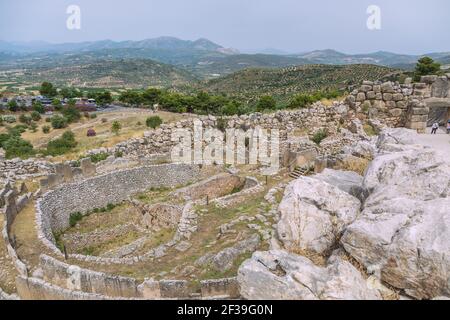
288,81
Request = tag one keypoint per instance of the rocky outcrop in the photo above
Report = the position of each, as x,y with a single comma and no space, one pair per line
347,181
278,275
313,214
403,233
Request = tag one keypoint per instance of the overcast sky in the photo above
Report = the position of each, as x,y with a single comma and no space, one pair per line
407,26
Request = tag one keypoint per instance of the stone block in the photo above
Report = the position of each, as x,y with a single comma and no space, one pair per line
227,288
377,88
398,97
420,111
174,289
428,79
87,167
419,118
401,105
371,95
366,88
150,289
65,171
361,97
387,96
387,87
396,112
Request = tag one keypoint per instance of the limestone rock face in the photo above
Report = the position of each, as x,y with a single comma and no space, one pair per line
313,214
280,275
347,181
403,233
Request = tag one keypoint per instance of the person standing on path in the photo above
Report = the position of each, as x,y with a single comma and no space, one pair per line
448,127
434,128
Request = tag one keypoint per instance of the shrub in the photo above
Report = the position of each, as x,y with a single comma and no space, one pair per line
62,145
104,120
1,121
75,218
13,106
33,127
115,127
17,130
91,133
93,115
46,129
319,136
71,113
266,103
38,107
9,119
118,154
25,119
222,124
58,122
36,116
95,158
153,122
15,147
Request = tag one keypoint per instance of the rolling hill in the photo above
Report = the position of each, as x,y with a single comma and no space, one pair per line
281,83
130,73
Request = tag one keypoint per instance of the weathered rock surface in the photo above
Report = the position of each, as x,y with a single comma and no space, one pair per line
314,214
347,181
403,233
280,275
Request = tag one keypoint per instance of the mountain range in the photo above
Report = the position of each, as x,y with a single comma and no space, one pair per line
169,62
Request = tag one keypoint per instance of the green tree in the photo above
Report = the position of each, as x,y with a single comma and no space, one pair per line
300,101
115,127
266,103
13,106
131,98
37,106
48,90
153,122
71,113
151,96
58,122
24,118
36,116
102,98
426,66
231,108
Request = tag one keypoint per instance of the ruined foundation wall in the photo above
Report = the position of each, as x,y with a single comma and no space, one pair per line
55,207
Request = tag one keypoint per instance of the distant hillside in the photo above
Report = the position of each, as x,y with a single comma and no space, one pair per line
165,43
210,67
281,83
131,73
379,58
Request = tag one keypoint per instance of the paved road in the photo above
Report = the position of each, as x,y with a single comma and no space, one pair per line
439,141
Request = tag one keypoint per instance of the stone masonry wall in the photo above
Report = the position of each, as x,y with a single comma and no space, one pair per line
73,278
55,207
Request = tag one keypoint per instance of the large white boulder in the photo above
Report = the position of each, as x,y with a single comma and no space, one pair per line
403,232
278,275
313,215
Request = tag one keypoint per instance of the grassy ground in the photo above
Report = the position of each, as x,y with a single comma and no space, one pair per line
132,121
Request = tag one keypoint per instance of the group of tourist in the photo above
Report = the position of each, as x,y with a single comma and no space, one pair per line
435,127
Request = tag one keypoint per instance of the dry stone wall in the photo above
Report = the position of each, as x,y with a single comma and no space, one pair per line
55,207
59,277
